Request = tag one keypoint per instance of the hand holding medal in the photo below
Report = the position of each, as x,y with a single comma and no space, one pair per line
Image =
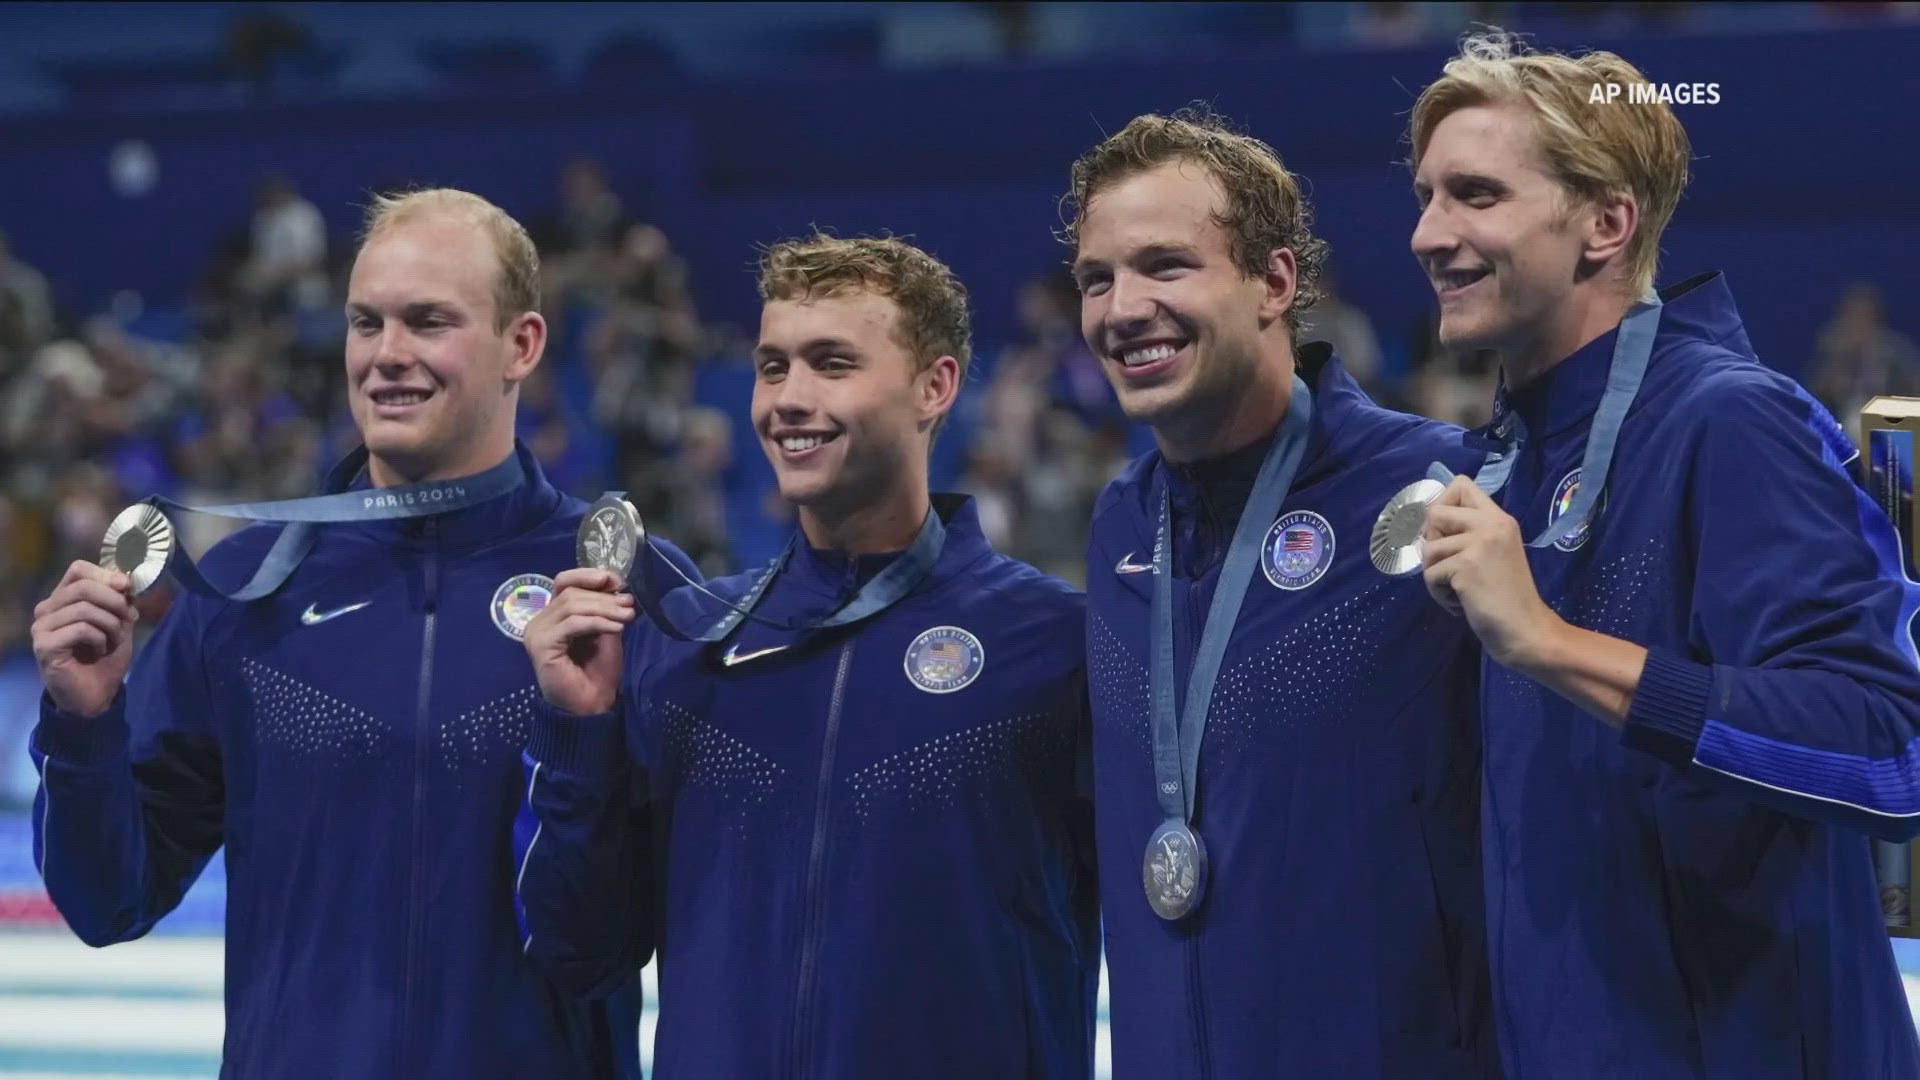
83,638
83,632
1476,566
575,642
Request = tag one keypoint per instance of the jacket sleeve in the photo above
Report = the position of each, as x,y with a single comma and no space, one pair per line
1801,685
580,848
131,803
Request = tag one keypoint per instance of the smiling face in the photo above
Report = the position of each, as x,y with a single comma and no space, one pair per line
1501,240
431,381
842,409
1180,329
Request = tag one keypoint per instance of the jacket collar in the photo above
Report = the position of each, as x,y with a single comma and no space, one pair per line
835,574
516,512
1215,489
1566,394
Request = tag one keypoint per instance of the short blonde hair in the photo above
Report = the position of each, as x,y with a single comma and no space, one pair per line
516,288
1593,149
1264,207
933,304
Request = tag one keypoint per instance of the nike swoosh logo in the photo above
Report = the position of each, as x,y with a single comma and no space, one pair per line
1126,565
733,654
314,617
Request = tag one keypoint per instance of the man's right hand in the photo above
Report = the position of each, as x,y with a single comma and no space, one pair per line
83,638
575,641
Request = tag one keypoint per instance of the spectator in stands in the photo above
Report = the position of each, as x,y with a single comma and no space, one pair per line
1348,330
286,264
577,244
245,440
26,311
1049,368
42,424
590,212
14,575
696,506
1458,389
1858,356
641,353
1055,432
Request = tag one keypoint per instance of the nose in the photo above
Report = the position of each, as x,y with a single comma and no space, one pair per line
1433,237
795,396
1130,307
390,354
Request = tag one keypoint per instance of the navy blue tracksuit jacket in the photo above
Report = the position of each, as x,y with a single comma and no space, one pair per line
871,856
353,740
1340,935
1693,896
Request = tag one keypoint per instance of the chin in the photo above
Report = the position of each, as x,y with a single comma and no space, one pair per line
1154,404
1465,335
381,439
805,490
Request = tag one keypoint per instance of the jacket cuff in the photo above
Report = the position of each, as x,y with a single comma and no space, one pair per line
1669,707
81,740
581,745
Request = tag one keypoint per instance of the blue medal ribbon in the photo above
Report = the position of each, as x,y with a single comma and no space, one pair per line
1177,732
1632,349
338,505
882,591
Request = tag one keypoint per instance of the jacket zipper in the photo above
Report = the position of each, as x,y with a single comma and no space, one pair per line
416,909
1196,621
811,902
1197,1007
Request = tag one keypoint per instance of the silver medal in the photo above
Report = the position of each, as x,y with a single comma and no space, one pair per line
1396,546
138,542
609,536
1175,870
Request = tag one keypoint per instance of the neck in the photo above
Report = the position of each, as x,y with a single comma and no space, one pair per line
874,527
1240,417
391,471
1587,314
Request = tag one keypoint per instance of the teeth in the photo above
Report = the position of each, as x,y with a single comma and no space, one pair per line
1147,355
400,397
797,443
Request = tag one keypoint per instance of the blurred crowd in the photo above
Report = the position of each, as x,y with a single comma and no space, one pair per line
240,398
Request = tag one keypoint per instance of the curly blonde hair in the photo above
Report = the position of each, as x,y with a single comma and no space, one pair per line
933,304
1264,206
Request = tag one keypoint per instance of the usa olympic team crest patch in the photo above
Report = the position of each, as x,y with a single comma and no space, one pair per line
1298,550
518,600
944,659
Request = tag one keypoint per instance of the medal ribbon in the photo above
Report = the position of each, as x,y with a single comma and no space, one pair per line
1632,349
337,505
882,591
1176,737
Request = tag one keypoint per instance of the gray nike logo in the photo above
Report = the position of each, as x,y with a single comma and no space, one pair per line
1126,565
733,654
314,617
